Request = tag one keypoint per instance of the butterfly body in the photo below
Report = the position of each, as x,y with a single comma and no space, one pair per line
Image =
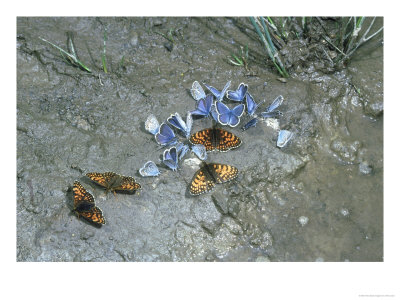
216,139
209,174
84,205
114,182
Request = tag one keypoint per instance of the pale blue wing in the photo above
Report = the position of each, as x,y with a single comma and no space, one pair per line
149,169
275,104
284,136
197,91
200,151
151,124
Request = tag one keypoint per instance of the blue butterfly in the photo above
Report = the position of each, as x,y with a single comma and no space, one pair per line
182,149
218,94
200,151
251,104
170,158
203,107
165,135
270,111
151,124
228,116
239,94
214,113
149,169
283,137
251,123
197,91
176,121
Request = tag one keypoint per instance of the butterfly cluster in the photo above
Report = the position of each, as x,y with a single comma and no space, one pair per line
224,108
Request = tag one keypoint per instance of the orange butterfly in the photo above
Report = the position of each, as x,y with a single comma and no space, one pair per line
204,180
216,139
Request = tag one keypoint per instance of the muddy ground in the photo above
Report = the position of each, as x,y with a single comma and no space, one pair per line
320,198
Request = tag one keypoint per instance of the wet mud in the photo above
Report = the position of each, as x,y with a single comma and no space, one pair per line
319,198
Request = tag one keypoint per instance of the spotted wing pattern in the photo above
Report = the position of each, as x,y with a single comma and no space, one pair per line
84,205
114,182
216,139
205,179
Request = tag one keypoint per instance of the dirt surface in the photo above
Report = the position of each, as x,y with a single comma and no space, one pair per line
320,198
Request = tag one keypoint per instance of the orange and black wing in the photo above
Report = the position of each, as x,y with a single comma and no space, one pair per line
81,194
127,184
94,215
201,183
226,140
102,179
203,137
223,173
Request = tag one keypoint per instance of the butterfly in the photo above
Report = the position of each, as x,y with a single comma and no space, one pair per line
209,174
197,91
227,116
165,135
218,94
251,104
84,205
251,123
151,124
114,182
149,169
216,139
283,137
200,151
270,111
181,149
203,107
170,158
176,121
239,94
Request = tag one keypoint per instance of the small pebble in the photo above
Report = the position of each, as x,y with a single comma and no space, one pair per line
303,220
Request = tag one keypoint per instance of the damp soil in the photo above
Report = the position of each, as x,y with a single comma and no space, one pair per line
320,198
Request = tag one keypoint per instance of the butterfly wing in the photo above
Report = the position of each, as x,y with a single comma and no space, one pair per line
272,114
203,137
165,135
201,183
226,140
170,158
283,137
219,95
224,113
149,169
200,150
239,94
151,124
275,104
176,121
94,215
197,91
80,194
203,107
223,173
189,124
102,179
235,115
127,183
251,123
